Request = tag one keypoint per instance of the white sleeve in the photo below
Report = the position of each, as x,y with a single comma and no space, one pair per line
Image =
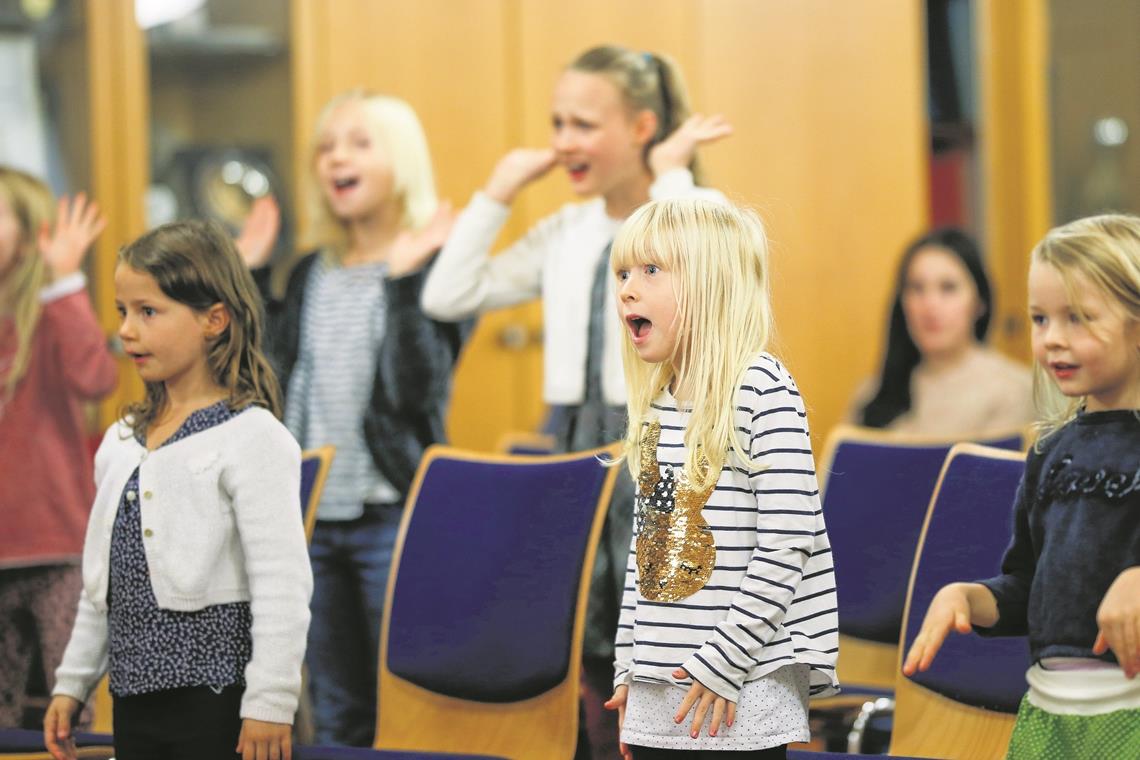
466,280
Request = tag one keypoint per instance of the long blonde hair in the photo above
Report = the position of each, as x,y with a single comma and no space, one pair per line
718,257
647,81
1105,250
31,202
395,124
196,263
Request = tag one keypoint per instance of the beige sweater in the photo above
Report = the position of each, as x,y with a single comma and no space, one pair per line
983,394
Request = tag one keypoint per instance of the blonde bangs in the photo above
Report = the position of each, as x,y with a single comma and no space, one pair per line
718,256
1105,250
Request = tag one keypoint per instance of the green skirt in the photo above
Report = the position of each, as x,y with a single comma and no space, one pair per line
1039,735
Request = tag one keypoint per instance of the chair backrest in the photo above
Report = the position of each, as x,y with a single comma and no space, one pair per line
876,489
482,631
315,466
964,705
524,444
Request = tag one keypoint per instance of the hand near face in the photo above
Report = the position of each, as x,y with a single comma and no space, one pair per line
516,170
677,150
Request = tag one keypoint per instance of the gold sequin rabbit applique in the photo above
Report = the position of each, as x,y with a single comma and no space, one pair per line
675,548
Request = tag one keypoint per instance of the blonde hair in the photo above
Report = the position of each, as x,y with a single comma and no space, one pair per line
396,125
647,81
32,204
718,258
196,263
1105,250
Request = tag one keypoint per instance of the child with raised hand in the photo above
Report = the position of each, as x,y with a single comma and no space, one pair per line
363,369
1070,578
728,623
622,131
53,359
196,577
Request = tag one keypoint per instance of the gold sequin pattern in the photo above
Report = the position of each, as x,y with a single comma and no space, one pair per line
675,548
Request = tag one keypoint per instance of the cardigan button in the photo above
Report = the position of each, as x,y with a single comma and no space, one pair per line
148,532
147,494
131,496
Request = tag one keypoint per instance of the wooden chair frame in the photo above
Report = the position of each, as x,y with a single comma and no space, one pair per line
541,728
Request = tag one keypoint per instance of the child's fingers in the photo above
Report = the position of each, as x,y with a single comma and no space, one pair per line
962,622
1100,646
686,703
702,710
717,715
731,714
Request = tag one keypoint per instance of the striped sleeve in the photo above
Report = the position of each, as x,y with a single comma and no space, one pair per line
623,642
789,531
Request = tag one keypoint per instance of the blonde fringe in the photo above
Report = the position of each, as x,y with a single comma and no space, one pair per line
718,257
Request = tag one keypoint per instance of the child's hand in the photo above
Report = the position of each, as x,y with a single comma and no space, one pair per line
517,169
703,699
617,702
77,224
949,611
261,740
1118,618
259,232
411,250
57,727
676,151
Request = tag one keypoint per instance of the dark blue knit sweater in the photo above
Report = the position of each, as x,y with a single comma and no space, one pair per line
1076,527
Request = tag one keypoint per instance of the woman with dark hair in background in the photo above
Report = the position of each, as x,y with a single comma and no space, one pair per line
938,378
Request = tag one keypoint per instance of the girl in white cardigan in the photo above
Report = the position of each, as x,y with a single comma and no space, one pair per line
196,576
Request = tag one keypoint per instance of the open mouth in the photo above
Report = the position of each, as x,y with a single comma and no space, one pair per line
577,171
639,327
345,184
1062,370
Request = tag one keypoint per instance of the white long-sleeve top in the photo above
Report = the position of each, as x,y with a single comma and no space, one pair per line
556,261
221,517
770,600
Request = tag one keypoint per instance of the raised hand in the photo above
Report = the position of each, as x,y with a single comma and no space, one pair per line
259,232
699,699
617,702
1118,619
677,150
77,224
412,249
517,169
57,727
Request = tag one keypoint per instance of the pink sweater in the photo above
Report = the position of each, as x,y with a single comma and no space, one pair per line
46,479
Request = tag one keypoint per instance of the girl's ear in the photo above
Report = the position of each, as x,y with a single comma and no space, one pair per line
644,126
215,320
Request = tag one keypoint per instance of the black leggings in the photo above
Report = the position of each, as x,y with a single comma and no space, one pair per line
178,724
651,753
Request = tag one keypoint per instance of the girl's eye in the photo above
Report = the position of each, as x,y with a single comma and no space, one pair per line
1037,319
148,311
623,274
949,287
652,269
122,312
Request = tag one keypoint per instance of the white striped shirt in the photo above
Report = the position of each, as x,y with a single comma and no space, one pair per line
770,600
342,326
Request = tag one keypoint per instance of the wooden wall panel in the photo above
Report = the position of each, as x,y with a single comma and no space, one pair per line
830,147
827,99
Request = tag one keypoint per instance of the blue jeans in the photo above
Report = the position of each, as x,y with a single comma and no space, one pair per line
350,561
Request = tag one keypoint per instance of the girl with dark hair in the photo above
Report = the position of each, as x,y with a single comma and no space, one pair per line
938,377
196,576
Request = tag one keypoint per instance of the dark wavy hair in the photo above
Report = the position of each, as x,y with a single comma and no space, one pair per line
196,263
902,356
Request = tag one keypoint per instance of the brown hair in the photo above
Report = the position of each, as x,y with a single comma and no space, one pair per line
196,263
649,81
